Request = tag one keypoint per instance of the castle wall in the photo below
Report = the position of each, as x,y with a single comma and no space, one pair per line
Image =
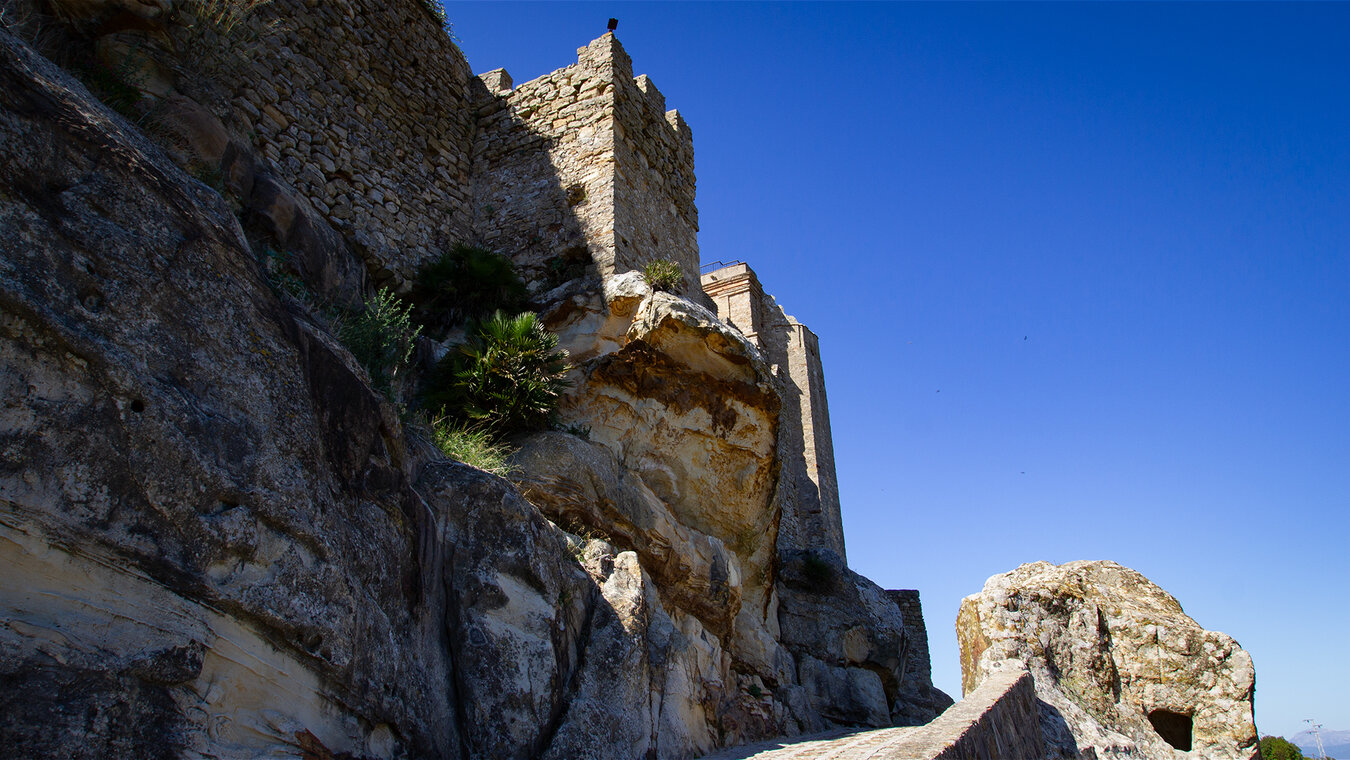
543,163
811,517
377,135
586,159
922,701
654,199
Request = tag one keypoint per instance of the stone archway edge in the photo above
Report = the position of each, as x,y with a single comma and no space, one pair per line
999,720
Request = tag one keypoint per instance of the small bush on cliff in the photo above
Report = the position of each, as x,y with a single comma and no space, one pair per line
507,376
471,445
467,282
381,337
663,274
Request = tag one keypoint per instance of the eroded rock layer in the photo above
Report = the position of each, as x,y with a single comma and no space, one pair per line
1120,668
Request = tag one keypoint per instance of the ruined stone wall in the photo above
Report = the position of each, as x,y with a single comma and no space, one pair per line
921,699
812,518
364,107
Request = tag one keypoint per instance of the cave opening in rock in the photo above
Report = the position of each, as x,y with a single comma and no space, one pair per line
1173,727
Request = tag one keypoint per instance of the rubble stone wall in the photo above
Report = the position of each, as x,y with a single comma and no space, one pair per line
654,200
543,163
586,159
365,108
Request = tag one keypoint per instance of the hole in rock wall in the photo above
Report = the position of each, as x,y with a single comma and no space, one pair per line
1174,728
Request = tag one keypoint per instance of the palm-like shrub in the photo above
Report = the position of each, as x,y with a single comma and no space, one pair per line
467,282
506,377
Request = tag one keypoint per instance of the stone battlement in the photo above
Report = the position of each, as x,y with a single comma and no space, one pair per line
585,162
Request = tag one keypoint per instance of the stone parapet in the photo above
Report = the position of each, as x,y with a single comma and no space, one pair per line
998,721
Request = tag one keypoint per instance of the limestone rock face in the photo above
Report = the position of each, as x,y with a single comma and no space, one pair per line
1119,666
578,483
218,539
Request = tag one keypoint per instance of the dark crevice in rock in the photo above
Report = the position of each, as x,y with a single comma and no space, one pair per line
1174,728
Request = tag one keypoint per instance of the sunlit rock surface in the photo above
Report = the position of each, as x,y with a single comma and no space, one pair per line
1119,666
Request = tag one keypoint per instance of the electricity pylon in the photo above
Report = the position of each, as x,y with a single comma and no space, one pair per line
1321,753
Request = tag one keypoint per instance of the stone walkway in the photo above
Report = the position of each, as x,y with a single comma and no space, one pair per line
998,721
836,745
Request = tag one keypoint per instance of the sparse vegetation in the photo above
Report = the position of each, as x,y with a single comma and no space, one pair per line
437,12
381,337
471,445
216,40
467,282
507,376
663,274
565,267
221,16
580,431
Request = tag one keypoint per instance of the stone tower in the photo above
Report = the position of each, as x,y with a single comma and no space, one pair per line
812,519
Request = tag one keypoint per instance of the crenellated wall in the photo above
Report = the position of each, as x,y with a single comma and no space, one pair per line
585,159
543,156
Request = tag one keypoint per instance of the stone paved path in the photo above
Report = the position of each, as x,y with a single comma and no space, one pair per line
836,745
1000,719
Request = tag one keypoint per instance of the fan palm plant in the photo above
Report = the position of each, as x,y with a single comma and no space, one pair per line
507,376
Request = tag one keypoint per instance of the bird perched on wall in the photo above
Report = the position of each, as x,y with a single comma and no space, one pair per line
613,24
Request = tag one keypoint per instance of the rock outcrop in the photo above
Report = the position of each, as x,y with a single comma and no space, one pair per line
219,539
1119,667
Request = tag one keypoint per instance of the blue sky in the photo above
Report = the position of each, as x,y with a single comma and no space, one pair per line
1081,277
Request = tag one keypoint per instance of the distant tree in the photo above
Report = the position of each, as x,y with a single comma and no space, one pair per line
1279,748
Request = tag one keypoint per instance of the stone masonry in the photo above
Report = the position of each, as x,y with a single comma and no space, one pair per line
585,164
812,521
918,683
998,721
404,151
377,137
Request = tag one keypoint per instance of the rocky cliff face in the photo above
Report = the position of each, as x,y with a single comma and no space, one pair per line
1119,667
218,540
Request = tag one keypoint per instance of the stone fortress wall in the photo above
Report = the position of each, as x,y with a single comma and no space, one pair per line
812,520
585,163
403,150
582,167
377,136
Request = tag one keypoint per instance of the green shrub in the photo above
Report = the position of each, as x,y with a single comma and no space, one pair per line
663,274
565,267
507,376
465,283
381,337
471,445
1279,748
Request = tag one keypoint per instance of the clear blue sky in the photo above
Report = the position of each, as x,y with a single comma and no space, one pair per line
1081,277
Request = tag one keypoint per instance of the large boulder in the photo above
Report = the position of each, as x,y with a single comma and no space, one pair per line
1119,667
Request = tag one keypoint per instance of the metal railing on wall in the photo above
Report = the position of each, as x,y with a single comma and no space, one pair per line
713,266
